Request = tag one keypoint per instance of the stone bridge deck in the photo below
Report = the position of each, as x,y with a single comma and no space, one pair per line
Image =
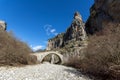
50,56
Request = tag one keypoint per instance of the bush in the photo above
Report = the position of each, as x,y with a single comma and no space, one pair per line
103,51
13,51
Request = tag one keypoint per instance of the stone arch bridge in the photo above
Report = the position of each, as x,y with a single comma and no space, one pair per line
53,57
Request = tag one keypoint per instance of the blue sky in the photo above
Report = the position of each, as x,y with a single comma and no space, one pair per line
35,21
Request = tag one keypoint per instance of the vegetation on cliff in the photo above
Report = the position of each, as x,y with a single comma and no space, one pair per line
102,55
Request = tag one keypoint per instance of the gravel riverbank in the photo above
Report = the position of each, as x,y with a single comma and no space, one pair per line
44,71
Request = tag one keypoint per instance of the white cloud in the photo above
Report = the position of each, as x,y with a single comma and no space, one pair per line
35,48
50,30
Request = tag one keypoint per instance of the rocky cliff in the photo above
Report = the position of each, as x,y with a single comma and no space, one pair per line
74,36
2,25
101,13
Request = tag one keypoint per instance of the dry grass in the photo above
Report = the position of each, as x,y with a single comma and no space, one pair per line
14,52
103,52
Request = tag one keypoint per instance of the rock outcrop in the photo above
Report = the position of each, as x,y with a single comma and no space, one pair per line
56,42
101,13
76,31
74,37
3,25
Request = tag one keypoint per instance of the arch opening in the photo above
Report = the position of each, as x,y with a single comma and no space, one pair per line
52,58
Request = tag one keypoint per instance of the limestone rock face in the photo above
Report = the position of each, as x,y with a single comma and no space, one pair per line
73,37
102,12
55,42
2,25
76,31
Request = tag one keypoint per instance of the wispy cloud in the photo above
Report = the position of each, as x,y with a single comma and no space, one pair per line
50,30
35,48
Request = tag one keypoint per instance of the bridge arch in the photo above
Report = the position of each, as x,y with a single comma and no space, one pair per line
51,56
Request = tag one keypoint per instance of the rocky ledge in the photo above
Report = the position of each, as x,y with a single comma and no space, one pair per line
3,25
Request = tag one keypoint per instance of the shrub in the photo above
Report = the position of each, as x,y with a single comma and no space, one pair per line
103,51
13,51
